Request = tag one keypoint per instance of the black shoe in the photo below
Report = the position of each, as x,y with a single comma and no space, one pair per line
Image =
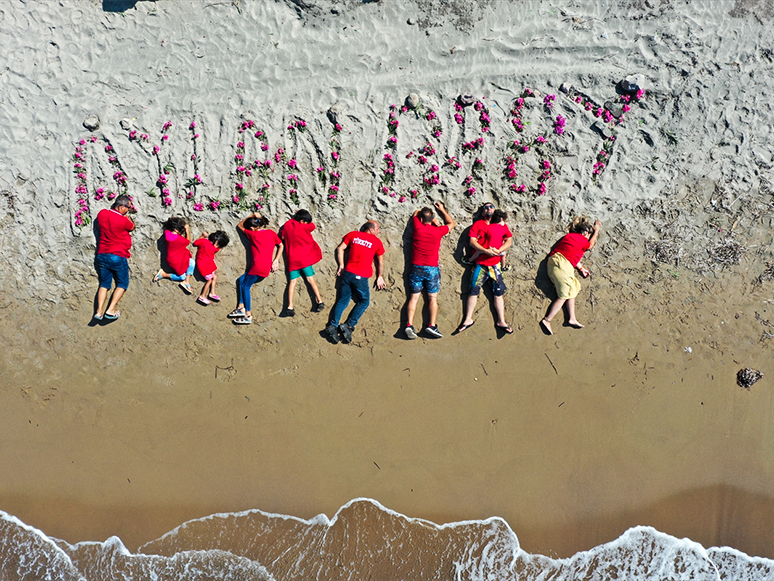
410,332
346,333
433,332
332,333
288,313
319,307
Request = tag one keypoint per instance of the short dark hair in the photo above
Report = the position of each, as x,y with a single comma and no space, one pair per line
253,223
122,200
426,215
499,216
303,216
219,238
368,226
175,224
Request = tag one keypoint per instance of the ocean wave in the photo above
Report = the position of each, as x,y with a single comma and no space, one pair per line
363,540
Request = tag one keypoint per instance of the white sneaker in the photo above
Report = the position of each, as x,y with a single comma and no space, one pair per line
433,332
410,332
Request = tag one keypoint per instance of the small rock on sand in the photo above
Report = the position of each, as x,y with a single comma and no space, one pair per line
633,83
412,101
333,114
126,124
466,99
746,377
91,123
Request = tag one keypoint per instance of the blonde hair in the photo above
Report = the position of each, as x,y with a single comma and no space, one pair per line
580,225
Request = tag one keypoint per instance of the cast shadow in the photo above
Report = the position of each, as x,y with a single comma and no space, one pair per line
118,5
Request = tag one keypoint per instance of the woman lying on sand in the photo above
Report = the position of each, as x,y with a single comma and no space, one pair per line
562,262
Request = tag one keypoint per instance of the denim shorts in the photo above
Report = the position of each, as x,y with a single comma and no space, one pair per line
483,273
424,277
110,266
307,271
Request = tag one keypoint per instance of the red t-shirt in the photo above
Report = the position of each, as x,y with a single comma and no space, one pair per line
178,255
262,244
494,236
572,246
363,246
114,230
301,250
426,242
205,256
478,231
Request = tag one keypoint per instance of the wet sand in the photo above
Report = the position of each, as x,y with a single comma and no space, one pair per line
126,430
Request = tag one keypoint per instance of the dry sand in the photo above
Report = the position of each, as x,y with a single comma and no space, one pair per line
171,413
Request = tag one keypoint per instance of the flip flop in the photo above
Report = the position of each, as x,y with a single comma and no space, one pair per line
507,329
215,298
462,328
186,288
202,301
97,317
157,276
112,317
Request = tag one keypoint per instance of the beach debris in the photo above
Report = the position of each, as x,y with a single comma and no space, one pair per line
412,101
632,83
665,251
91,123
727,253
565,88
768,274
466,99
747,377
688,350
126,124
410,21
602,129
333,113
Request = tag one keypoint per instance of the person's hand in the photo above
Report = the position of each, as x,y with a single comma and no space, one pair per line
584,272
275,265
597,225
380,283
204,235
339,271
439,206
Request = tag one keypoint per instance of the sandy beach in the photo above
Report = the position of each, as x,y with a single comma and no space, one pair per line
171,413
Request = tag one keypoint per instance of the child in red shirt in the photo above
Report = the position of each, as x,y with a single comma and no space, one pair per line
265,247
562,262
177,235
301,253
207,246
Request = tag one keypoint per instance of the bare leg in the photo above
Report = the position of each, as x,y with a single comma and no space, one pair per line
206,289
432,299
499,305
470,307
101,296
555,307
117,294
291,292
315,290
411,308
214,281
572,321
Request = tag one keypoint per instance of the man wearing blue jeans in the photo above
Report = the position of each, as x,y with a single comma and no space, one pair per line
111,262
354,274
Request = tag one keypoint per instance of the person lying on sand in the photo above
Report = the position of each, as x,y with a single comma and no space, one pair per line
177,235
301,254
562,262
113,246
207,246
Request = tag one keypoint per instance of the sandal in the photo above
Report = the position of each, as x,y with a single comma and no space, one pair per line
202,301
157,277
243,321
112,317
507,329
215,298
462,328
236,314
186,288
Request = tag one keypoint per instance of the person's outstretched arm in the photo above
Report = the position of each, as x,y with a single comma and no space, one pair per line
595,235
379,269
340,257
447,219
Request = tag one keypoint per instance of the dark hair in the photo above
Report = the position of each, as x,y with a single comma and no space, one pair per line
303,216
426,215
480,212
368,226
253,223
122,200
175,224
219,238
499,216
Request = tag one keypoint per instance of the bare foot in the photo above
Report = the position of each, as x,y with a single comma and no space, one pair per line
546,326
575,324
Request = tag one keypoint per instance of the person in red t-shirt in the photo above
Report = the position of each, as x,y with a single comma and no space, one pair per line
301,254
491,242
111,262
364,249
562,262
425,273
206,248
177,235
265,247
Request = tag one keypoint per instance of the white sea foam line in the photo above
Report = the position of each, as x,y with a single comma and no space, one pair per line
40,534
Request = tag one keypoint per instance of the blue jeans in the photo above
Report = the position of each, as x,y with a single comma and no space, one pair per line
243,285
353,287
111,266
189,272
